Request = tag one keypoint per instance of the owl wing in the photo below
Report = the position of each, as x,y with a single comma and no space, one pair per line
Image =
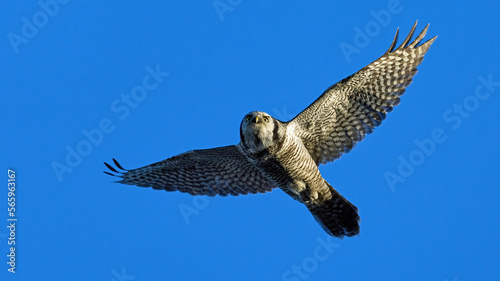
217,171
353,107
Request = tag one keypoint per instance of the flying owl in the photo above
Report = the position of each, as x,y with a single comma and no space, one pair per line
273,153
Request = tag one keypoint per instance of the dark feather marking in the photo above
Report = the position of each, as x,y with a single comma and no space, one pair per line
108,173
260,154
118,164
111,167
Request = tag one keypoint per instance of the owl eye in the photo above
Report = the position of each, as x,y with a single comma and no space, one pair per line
248,118
266,119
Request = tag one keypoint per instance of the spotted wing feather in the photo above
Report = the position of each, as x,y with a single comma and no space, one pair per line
217,171
349,110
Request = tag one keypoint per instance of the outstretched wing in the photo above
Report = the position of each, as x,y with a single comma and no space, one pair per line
217,171
352,108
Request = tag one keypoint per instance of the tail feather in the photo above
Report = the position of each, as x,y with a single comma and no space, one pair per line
337,216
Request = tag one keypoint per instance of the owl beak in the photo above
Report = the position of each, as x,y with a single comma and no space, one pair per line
256,120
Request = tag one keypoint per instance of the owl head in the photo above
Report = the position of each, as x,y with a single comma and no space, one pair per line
259,131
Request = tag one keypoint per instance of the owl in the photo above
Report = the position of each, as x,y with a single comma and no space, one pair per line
273,153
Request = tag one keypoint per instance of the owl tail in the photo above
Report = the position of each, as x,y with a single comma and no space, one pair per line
337,216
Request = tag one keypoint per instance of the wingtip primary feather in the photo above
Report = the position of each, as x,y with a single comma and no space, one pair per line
410,35
118,165
111,167
118,176
408,43
430,41
114,172
393,44
412,31
424,47
419,38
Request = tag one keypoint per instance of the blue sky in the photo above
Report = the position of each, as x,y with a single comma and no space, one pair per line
424,182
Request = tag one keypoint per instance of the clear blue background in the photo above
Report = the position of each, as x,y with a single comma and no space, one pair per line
441,223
